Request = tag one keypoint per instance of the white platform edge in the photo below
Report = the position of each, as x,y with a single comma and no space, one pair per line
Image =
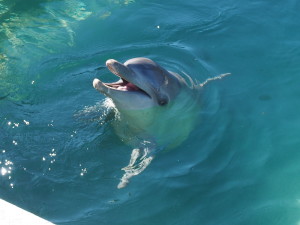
13,215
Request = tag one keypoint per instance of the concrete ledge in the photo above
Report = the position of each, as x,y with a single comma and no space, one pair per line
13,215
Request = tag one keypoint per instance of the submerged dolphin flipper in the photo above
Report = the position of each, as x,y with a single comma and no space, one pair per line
134,167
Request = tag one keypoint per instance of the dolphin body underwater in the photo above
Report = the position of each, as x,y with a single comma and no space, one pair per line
156,109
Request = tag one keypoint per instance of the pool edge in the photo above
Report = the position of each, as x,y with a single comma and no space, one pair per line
13,215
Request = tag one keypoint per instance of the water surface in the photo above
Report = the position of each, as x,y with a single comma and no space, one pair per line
59,156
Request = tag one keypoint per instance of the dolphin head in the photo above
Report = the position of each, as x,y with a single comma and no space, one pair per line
142,84
154,104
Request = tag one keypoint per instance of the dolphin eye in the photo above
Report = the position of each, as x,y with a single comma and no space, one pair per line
162,102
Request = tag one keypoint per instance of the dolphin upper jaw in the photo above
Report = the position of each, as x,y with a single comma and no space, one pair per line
126,74
118,68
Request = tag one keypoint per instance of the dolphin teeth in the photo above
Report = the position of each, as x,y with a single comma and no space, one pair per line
123,85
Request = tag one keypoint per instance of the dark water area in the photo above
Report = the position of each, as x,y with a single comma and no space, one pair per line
61,159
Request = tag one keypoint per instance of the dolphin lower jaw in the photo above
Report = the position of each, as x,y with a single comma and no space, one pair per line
123,98
98,85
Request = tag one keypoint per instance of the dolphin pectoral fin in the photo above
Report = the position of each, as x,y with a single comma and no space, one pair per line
137,164
135,154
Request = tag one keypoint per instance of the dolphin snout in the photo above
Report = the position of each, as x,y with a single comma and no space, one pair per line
110,62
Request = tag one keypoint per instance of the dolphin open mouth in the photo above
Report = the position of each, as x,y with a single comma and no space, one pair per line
123,84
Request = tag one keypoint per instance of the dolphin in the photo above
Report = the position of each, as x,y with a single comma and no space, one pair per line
157,109
153,101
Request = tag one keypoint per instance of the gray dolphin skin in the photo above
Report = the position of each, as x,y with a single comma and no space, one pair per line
157,109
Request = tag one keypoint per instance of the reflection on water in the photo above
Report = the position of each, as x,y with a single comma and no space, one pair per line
42,25
31,30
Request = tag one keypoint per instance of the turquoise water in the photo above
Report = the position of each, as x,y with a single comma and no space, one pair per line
61,159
